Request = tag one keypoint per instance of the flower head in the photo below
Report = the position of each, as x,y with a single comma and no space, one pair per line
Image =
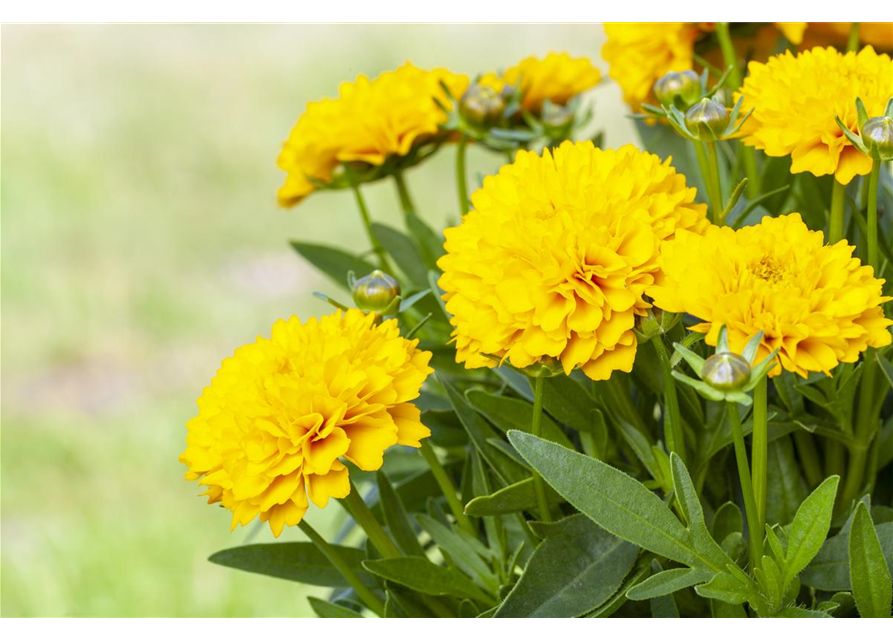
553,261
557,78
369,122
797,98
280,413
639,53
815,303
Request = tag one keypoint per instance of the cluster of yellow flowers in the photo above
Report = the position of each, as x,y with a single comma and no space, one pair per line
639,53
281,412
560,253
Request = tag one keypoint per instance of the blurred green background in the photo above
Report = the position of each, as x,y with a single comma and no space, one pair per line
141,243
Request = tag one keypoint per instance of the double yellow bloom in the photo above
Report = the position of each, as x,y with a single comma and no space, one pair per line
280,413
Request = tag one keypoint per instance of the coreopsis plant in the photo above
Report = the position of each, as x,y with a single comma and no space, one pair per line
652,380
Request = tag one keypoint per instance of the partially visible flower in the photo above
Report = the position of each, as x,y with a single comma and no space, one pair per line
280,413
797,98
557,78
553,261
816,304
793,31
369,122
639,53
876,34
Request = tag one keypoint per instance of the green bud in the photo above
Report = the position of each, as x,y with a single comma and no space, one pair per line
375,292
877,136
481,106
726,371
680,88
707,120
654,323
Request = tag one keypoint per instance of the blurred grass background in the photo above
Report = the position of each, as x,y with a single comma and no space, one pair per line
141,243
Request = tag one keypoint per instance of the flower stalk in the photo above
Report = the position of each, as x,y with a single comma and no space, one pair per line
673,433
461,178
539,486
406,202
447,487
838,206
707,176
331,553
367,220
872,220
760,450
755,533
365,519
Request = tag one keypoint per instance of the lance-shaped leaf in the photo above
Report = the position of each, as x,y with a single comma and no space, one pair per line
570,573
618,503
810,527
869,575
426,577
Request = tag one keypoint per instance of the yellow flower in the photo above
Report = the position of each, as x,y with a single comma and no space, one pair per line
877,34
280,413
553,260
816,303
639,53
793,31
795,100
557,78
370,121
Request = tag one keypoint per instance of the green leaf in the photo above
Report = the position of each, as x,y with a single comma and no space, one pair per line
887,368
800,612
325,609
426,577
509,413
396,519
616,502
869,575
667,582
568,402
513,498
429,242
479,431
404,252
726,521
570,573
810,527
465,553
295,561
333,262
725,587
787,489
829,571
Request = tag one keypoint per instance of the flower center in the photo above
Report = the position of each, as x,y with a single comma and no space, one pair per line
768,269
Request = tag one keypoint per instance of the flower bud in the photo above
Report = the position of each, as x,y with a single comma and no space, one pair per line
726,371
877,136
654,323
375,292
680,88
707,120
481,106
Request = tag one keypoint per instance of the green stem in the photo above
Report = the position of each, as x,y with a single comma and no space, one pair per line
838,206
406,203
759,452
447,487
707,177
749,155
364,517
852,43
729,56
369,599
866,427
539,486
367,222
871,221
755,537
718,213
622,404
673,420
809,457
461,183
